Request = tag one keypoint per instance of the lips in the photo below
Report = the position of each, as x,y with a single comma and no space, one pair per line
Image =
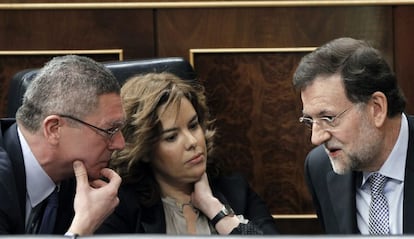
332,151
196,158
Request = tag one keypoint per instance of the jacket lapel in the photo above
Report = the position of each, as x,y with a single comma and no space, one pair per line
408,218
341,190
150,219
12,146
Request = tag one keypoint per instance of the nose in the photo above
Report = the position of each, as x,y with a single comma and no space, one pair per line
319,135
117,141
191,140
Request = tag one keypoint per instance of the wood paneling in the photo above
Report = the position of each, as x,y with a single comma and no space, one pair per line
298,226
270,27
404,52
129,30
250,93
257,113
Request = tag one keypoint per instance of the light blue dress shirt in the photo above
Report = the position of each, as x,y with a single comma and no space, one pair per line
394,169
38,184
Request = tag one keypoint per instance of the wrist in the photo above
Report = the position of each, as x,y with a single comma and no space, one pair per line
210,207
226,211
80,226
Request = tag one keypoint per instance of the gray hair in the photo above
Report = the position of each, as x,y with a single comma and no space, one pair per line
65,85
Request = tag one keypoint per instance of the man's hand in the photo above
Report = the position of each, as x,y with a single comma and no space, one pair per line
94,201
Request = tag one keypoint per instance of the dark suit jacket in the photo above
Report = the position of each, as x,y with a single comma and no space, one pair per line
13,186
334,195
130,217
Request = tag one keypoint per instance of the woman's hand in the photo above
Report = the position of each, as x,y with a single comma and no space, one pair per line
203,199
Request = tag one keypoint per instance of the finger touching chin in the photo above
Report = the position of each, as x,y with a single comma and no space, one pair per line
98,183
94,175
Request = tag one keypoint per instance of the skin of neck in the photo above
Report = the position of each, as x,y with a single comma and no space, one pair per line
391,131
181,193
46,153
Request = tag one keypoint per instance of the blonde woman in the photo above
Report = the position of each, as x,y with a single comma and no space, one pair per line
171,182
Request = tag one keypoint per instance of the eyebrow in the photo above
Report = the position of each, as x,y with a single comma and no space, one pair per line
115,123
175,128
321,113
118,123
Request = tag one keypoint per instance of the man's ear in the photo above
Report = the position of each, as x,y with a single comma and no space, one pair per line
379,105
51,128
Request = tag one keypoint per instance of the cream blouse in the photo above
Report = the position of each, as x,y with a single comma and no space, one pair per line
176,223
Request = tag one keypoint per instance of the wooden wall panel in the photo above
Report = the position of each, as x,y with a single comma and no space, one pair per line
251,96
257,114
298,226
404,51
129,30
270,27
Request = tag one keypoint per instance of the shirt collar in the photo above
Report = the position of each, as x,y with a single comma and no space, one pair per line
38,184
394,166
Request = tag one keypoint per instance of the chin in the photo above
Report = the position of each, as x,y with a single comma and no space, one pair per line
197,176
339,168
94,175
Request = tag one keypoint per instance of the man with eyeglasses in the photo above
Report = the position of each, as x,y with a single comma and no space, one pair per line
361,174
53,158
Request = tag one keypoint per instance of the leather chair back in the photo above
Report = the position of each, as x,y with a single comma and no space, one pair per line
121,69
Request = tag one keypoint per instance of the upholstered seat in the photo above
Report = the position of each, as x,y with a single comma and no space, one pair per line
121,69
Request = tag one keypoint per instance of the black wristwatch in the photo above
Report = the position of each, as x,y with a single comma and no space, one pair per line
225,211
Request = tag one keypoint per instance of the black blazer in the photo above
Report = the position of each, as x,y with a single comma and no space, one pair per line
334,195
13,186
130,217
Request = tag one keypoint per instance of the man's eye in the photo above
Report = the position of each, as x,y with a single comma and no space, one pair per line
307,120
328,119
112,130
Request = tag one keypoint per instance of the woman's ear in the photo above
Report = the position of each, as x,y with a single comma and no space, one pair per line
51,128
379,105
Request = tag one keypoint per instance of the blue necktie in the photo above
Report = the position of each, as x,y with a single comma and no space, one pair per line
33,222
378,211
49,215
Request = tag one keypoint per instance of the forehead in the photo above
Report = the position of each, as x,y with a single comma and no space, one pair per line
178,111
109,108
326,93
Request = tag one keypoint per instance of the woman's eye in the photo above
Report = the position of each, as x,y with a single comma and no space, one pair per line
170,138
194,125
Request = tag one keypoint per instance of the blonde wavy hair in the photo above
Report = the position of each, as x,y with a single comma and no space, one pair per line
142,96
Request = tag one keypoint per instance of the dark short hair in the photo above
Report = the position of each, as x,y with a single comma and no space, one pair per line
361,67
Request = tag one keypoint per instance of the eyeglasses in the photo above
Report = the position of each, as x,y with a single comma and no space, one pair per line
326,122
109,132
